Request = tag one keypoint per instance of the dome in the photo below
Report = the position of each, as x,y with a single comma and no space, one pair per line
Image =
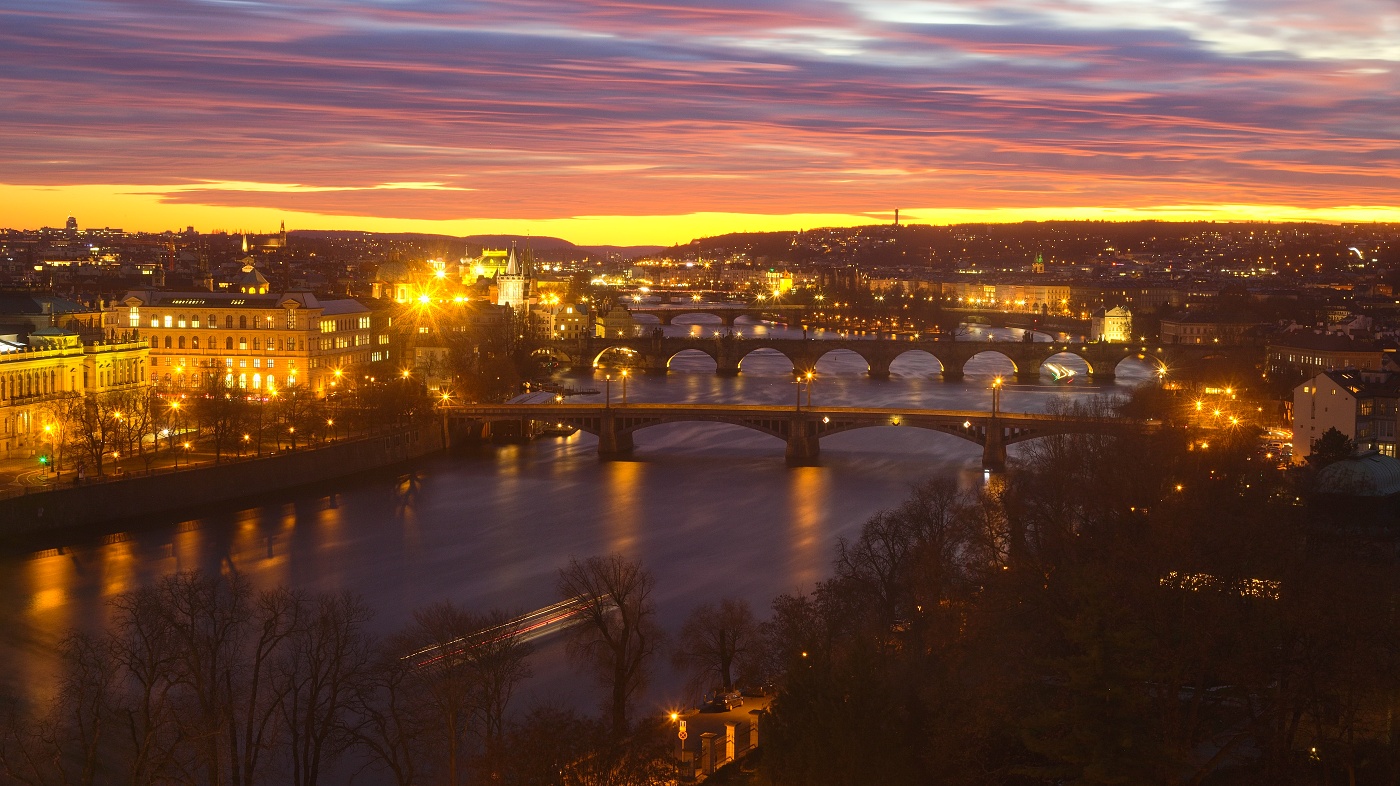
393,271
1366,475
251,282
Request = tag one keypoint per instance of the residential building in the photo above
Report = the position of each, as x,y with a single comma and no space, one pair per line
1363,405
1204,328
1306,353
1113,325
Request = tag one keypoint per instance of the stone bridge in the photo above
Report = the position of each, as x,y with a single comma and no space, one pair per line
801,428
653,354
727,312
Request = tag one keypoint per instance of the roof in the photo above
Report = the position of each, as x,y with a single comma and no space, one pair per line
25,303
1368,474
1326,342
1206,318
1366,384
343,306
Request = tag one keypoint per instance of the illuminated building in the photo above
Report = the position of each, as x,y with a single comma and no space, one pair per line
1112,325
250,341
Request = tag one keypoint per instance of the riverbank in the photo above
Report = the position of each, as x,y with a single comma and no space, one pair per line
148,496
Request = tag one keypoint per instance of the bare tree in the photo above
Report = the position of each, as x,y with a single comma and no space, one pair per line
144,655
618,633
499,663
715,639
446,681
326,657
390,719
64,745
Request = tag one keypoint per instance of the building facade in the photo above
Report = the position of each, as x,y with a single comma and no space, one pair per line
1363,405
1113,325
249,341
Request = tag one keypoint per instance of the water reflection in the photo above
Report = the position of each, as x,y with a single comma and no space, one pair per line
711,508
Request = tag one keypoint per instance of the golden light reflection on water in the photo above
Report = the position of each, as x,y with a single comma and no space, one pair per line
622,521
808,503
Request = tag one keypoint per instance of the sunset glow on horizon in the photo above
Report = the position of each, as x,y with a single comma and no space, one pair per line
611,122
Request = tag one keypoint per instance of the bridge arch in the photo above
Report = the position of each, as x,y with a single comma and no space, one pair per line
692,356
619,355
986,362
765,360
773,430
1148,359
832,361
1075,359
914,363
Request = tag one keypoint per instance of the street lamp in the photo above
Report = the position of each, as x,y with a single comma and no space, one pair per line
607,387
810,376
996,395
625,374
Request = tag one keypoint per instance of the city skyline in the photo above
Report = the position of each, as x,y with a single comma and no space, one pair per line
606,122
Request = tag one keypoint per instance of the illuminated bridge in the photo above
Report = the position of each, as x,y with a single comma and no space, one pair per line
653,354
801,428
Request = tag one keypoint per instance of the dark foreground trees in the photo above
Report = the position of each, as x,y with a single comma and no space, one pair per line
618,633
1117,611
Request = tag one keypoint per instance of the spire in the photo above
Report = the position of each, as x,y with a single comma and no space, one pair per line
512,264
245,243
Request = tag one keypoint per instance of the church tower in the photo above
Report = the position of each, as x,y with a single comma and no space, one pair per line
513,285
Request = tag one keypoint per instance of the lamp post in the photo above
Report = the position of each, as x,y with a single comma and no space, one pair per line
996,395
174,429
625,374
810,376
607,387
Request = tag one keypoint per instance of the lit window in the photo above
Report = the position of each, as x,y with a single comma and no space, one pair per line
134,316
168,320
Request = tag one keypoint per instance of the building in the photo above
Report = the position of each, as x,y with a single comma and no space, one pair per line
617,323
1306,354
251,341
1113,325
1363,405
1204,329
572,324
53,366
515,286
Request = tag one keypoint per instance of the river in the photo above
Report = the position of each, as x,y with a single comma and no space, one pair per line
710,509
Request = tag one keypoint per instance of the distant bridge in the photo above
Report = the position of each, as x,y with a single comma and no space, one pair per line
653,354
727,312
802,428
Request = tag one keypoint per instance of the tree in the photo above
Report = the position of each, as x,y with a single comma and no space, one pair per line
715,641
326,657
617,635
1331,447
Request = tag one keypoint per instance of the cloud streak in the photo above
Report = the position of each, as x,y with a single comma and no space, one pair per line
538,110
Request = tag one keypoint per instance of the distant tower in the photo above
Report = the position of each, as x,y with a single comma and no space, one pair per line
512,286
896,216
71,227
245,242
1039,265
283,233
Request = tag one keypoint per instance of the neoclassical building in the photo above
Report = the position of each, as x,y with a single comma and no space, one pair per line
251,340
56,365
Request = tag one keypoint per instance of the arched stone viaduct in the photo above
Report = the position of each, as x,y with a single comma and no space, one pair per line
727,313
653,354
801,428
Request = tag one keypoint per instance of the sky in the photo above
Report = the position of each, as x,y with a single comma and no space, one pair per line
657,121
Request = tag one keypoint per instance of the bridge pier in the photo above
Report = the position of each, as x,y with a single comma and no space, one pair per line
951,374
1028,377
879,368
803,444
1102,376
613,443
727,368
994,449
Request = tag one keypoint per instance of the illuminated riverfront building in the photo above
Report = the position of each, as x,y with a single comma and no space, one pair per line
1113,325
52,365
251,340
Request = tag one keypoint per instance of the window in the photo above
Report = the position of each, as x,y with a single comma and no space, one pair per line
242,342
182,342
291,319
257,362
243,380
228,362
167,342
242,323
213,343
328,326
257,381
271,381
228,343
181,321
194,321
194,342
155,321
364,323
271,362
213,321
242,363
256,344
133,318
291,345
168,320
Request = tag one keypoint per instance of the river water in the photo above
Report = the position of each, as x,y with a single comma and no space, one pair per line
710,509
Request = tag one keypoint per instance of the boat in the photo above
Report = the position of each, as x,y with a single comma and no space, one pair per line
555,430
